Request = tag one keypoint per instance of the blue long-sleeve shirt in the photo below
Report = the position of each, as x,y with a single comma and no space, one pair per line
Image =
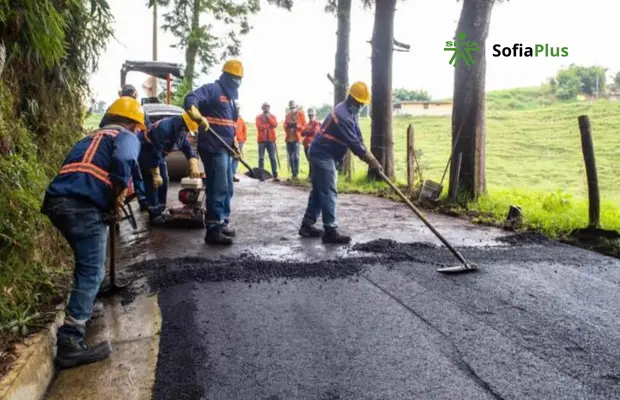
96,165
160,140
340,131
216,102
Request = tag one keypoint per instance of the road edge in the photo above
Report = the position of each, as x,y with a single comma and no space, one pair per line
33,370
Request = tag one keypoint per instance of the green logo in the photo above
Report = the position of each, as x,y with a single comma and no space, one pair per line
462,49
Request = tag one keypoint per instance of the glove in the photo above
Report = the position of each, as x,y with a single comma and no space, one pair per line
157,179
235,146
372,162
194,171
198,118
120,203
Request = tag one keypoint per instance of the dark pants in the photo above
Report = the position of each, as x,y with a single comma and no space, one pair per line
292,148
82,225
235,162
219,187
322,199
309,163
156,199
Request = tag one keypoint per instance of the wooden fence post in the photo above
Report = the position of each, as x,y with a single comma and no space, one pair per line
410,160
587,147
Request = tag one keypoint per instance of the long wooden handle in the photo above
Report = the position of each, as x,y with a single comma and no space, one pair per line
230,149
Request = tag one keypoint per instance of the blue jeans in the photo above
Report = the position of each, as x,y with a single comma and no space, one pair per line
271,150
82,225
292,148
235,163
219,186
324,190
156,199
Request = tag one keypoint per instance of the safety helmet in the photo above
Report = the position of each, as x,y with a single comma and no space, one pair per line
128,107
233,67
311,111
191,125
359,91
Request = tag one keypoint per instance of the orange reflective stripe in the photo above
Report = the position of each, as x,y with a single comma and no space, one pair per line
94,145
330,137
220,121
86,168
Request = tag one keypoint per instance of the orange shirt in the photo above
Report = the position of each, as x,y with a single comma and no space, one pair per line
293,134
266,128
311,129
241,131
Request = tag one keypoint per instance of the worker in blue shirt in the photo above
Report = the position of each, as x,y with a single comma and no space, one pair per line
156,144
340,131
89,192
213,107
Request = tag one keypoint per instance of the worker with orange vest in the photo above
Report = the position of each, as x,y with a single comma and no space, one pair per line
266,124
242,135
340,131
89,192
213,107
293,126
312,128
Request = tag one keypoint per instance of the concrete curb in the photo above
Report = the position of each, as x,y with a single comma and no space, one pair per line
33,370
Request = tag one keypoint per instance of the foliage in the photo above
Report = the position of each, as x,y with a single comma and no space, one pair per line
575,79
617,79
402,94
204,45
322,111
52,47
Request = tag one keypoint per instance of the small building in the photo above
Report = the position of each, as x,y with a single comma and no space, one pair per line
414,107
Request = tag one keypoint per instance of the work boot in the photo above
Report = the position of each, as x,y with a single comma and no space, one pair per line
276,179
98,310
73,352
235,178
309,231
157,221
216,236
228,231
332,235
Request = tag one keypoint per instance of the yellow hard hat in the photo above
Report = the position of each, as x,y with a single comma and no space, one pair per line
233,67
359,91
191,125
129,108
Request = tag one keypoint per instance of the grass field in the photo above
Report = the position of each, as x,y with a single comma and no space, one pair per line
533,153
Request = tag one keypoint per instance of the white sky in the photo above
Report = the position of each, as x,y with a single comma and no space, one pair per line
288,54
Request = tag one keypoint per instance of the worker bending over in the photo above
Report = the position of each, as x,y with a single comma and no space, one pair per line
312,128
213,107
293,126
156,144
89,192
241,134
340,131
266,124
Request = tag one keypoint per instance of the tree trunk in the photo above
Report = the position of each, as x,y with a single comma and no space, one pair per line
381,140
468,112
192,47
341,71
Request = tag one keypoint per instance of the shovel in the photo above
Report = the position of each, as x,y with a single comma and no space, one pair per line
113,287
466,266
230,149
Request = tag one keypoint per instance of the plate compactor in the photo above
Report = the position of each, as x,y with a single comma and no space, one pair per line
192,213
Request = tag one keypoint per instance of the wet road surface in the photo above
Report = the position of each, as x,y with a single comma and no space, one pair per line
279,317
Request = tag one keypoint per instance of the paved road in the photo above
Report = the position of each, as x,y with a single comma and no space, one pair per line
277,317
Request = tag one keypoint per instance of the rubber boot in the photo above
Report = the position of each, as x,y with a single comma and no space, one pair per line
228,231
217,237
73,352
309,231
332,235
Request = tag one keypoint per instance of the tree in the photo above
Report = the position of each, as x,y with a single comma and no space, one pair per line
468,110
322,111
382,42
203,48
567,84
617,79
575,79
402,94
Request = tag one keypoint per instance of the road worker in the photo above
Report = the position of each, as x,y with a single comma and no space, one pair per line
156,144
138,183
213,107
266,124
340,131
293,126
242,135
312,128
86,195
